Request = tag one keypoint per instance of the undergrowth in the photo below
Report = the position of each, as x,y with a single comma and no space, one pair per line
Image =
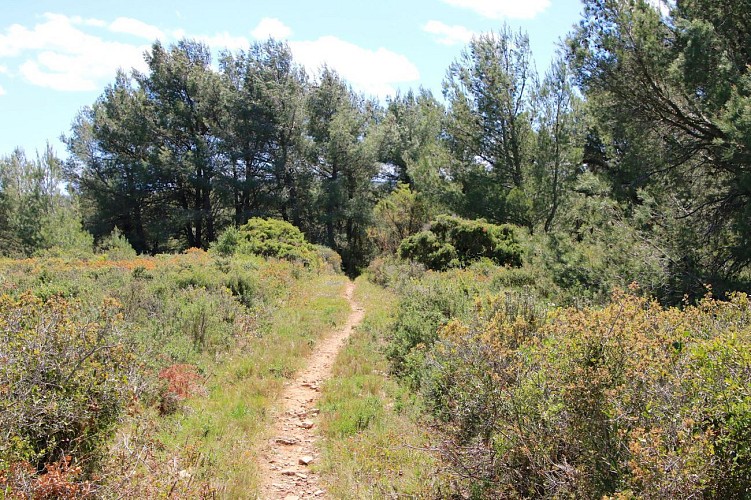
209,447
149,376
629,399
377,442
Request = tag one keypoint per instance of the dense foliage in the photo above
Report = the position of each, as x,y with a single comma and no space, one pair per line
268,238
508,220
643,116
176,155
61,377
629,400
453,242
82,341
669,100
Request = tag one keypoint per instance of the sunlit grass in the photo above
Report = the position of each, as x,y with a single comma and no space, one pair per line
208,448
375,445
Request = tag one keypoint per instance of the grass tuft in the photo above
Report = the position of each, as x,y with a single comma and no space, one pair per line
376,444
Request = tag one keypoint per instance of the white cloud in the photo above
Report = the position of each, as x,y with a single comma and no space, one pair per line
3,70
131,26
448,35
69,53
59,55
2,91
270,27
503,9
221,41
374,72
67,81
88,22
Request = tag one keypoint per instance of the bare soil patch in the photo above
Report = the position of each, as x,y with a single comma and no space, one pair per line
285,460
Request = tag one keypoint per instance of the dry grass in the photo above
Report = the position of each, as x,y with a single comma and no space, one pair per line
376,445
208,447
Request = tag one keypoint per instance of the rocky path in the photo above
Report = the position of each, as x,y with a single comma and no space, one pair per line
284,461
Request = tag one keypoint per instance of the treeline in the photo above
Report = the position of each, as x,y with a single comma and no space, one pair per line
626,160
174,156
37,214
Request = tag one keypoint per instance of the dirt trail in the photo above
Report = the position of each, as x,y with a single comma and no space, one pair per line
282,468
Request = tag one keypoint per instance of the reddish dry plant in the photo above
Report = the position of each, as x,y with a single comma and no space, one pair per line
183,380
58,481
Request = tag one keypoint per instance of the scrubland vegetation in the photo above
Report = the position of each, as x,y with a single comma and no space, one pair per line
628,400
150,375
555,272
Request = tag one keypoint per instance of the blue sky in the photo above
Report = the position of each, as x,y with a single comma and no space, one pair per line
56,57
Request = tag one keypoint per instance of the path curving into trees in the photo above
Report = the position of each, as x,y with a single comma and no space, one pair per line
285,459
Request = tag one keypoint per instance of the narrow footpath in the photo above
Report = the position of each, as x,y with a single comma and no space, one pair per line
285,461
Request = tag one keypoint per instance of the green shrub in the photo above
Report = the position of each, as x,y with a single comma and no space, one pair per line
227,242
425,248
272,238
275,238
400,214
631,400
116,246
329,258
62,377
390,271
425,306
453,242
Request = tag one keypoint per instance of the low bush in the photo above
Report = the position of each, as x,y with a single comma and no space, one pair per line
116,246
631,400
455,242
268,238
331,260
92,345
427,304
62,372
390,271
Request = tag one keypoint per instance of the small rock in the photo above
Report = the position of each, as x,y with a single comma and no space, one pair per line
291,497
306,460
287,441
318,492
288,472
301,475
306,424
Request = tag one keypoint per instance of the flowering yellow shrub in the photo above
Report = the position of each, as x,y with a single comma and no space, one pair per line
83,340
630,400
62,371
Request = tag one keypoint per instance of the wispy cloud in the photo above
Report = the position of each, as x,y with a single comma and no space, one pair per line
134,27
270,27
70,53
2,91
503,9
448,35
58,54
374,72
